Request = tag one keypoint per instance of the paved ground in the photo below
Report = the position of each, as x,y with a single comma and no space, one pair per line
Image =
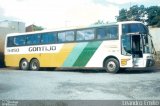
79,85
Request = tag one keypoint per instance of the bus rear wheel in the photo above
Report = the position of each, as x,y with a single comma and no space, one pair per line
112,65
34,65
24,65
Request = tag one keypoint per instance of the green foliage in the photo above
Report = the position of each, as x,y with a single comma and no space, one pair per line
134,13
138,13
122,15
153,16
37,28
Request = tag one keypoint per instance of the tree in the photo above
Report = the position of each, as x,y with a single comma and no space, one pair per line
37,28
132,13
151,15
135,13
122,15
33,27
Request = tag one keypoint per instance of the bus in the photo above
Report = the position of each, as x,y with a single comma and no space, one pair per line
112,47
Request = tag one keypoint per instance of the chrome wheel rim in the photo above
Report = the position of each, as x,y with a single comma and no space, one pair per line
34,66
24,65
111,66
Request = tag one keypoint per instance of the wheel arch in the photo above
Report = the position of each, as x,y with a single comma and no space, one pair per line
108,57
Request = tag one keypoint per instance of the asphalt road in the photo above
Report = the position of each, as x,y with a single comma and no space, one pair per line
79,85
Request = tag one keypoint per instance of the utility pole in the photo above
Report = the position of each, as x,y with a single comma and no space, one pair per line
130,4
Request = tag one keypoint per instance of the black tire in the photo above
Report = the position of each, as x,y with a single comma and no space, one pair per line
24,65
112,65
34,65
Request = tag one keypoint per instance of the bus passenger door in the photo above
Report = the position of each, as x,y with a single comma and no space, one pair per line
137,51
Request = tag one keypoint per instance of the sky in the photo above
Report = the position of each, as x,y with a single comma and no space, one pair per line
65,13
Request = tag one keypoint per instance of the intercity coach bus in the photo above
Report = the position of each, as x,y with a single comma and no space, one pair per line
112,47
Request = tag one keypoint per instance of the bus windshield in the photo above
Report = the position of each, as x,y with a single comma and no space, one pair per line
134,28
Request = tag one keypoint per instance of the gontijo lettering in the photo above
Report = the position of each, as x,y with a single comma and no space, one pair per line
43,48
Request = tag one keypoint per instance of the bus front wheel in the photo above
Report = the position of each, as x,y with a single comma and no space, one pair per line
34,65
112,65
24,65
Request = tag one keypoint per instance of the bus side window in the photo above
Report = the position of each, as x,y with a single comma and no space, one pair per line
33,39
48,38
85,34
61,37
10,41
80,36
101,33
19,40
66,36
69,36
112,32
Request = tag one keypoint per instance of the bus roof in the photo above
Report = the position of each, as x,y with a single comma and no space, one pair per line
72,28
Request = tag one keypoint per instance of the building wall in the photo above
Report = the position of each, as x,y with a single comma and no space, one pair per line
7,27
155,32
29,28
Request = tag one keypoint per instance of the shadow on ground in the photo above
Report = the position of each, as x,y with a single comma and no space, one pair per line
84,70
140,70
93,70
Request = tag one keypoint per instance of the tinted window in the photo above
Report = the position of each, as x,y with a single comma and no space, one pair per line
69,36
143,29
112,32
47,38
130,28
108,32
19,40
87,34
33,39
66,36
126,45
101,33
10,41
61,37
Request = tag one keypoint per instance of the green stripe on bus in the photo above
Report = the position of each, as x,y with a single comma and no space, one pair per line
87,53
71,59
